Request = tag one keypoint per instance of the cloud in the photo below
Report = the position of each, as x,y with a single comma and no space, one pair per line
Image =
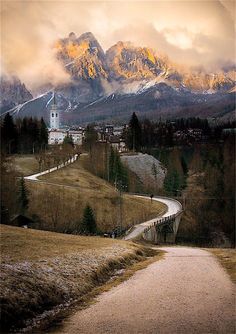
196,33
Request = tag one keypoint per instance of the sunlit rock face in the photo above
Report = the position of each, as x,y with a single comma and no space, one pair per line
92,70
126,78
128,62
82,57
13,92
203,82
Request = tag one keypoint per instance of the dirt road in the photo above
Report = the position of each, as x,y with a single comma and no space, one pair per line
186,292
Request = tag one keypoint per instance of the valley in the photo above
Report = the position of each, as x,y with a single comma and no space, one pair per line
117,168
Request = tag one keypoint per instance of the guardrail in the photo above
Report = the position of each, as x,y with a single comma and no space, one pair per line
163,221
172,216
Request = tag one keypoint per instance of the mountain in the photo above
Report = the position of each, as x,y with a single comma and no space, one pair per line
13,92
159,100
84,59
127,62
123,67
111,85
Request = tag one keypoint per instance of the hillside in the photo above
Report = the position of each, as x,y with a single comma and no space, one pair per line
50,271
58,201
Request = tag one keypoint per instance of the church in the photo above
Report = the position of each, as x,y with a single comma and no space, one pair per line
57,134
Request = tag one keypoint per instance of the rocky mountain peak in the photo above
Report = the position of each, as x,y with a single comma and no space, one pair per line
88,36
72,36
13,92
135,63
82,57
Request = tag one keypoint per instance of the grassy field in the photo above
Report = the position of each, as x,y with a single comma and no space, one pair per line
42,273
25,164
60,198
227,257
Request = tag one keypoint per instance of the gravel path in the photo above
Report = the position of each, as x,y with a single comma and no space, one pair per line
173,207
186,292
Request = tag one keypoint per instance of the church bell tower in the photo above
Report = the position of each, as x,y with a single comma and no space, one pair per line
54,115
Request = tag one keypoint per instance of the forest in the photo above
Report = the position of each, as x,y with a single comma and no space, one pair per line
200,172
23,136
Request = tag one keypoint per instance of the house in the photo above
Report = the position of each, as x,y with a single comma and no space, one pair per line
118,143
22,221
118,130
56,133
108,129
56,136
77,136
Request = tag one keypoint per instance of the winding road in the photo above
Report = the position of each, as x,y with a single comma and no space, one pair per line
34,177
173,207
187,292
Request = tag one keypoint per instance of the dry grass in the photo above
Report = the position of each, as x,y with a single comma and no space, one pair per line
227,257
43,273
73,187
25,164
29,245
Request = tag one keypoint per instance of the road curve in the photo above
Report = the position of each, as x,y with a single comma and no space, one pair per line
186,292
173,207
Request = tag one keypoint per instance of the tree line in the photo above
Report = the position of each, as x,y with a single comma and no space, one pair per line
145,134
23,136
209,216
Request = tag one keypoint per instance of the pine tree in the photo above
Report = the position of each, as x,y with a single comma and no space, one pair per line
43,133
117,172
89,222
23,196
91,137
9,134
134,134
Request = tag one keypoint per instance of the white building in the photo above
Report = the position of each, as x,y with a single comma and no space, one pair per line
77,136
57,135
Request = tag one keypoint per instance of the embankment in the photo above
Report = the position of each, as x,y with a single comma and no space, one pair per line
42,273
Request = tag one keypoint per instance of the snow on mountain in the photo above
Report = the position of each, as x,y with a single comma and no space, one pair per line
126,78
13,92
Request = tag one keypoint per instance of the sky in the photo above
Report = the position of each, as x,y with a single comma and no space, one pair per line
194,33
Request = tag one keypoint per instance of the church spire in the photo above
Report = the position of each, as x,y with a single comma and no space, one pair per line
54,98
54,114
